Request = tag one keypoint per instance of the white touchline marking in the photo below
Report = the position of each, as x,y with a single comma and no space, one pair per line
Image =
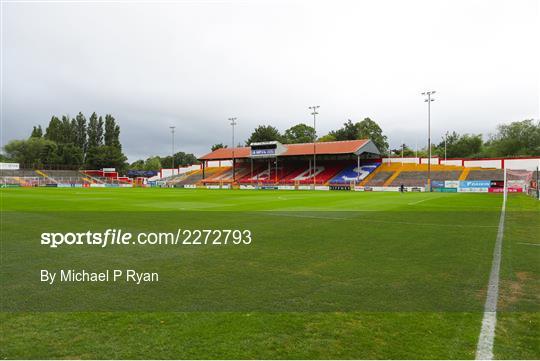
529,244
484,349
422,200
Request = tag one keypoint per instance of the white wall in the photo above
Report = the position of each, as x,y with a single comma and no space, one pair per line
488,163
434,160
220,163
408,160
451,162
527,164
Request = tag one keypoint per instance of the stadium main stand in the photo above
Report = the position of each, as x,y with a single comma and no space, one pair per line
273,162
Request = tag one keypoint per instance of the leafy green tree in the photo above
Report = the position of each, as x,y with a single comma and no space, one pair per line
112,132
80,133
520,138
70,155
152,163
218,146
95,131
264,133
460,146
54,130
349,131
327,138
137,165
366,129
369,129
32,152
300,133
37,132
67,130
403,150
106,156
181,159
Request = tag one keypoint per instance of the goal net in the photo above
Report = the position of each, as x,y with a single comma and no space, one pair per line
520,181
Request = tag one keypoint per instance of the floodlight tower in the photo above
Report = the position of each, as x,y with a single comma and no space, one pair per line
233,123
314,113
172,127
428,100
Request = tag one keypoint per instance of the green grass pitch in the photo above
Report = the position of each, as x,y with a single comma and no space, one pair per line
336,275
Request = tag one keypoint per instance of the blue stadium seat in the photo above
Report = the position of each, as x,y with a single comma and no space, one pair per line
351,174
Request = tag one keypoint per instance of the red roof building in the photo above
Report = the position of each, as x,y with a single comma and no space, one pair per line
346,147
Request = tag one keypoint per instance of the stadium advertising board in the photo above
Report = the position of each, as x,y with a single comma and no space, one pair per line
70,185
475,184
437,184
286,188
246,186
451,184
473,190
340,188
304,188
190,186
445,190
97,185
263,151
9,166
267,187
501,190
322,188
213,186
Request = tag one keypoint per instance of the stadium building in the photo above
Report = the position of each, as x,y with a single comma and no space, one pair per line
317,163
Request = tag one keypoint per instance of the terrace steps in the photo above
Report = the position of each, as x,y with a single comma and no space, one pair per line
392,177
464,174
45,175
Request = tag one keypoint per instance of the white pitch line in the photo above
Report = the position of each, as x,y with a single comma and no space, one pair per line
484,349
422,200
306,216
529,244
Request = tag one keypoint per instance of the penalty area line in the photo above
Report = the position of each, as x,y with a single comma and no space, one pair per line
484,349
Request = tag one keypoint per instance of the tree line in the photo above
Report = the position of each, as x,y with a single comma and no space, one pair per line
181,159
302,133
520,138
516,139
71,143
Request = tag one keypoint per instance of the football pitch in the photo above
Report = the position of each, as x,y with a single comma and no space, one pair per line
333,275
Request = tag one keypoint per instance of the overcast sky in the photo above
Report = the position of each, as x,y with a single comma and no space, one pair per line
194,64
